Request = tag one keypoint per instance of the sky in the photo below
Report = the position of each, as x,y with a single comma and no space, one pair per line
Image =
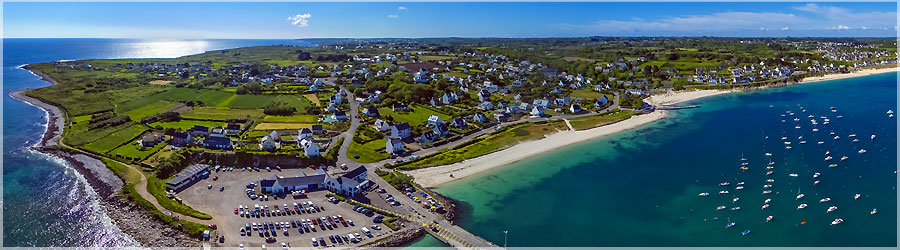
209,20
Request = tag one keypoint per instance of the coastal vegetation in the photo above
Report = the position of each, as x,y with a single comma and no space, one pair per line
593,121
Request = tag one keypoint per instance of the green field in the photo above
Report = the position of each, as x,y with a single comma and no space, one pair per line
112,140
291,119
588,94
372,151
207,96
587,122
495,142
221,114
132,150
157,188
185,124
154,108
419,115
246,101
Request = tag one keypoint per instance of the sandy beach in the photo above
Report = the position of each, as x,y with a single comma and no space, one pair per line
434,176
438,175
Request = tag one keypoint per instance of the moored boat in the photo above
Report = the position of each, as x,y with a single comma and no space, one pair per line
844,157
802,206
735,208
745,232
792,175
837,221
874,211
768,219
856,196
764,206
817,174
823,200
862,151
800,196
720,208
703,194
767,201
725,183
831,209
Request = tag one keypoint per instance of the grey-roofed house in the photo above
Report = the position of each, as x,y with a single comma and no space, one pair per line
187,177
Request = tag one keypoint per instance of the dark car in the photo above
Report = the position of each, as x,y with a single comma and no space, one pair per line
331,237
270,240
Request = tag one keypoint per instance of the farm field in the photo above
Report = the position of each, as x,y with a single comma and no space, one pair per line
132,150
291,119
418,116
369,152
221,114
114,139
274,126
154,108
185,124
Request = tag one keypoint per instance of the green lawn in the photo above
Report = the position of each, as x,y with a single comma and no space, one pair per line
246,101
133,151
291,119
495,142
588,94
299,102
112,140
221,114
418,116
185,124
588,122
207,96
157,188
372,151
154,108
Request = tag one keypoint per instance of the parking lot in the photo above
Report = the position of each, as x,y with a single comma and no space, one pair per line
314,215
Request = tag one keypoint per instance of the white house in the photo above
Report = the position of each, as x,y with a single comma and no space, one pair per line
401,131
537,111
268,143
393,145
434,120
305,133
310,148
382,125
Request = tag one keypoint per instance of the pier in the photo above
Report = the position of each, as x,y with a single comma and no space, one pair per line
669,107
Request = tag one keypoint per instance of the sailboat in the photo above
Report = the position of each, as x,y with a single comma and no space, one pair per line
799,195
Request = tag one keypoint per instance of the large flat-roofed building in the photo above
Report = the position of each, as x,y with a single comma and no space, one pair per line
188,176
350,183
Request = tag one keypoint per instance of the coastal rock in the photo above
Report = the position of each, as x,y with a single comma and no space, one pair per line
144,227
400,238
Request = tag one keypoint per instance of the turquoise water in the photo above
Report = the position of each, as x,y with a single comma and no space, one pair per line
427,241
640,187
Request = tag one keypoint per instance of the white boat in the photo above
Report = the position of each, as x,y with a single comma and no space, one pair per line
891,115
788,147
767,186
771,163
802,142
855,140
720,208
821,142
837,137
768,219
832,132
703,194
802,206
823,200
738,187
816,182
874,211
873,137
740,183
890,111
831,209
839,117
798,126
770,180
767,192
815,130
769,173
796,119
764,206
725,183
827,158
735,208
736,199
792,175
862,151
811,116
816,175
856,196
844,157
768,154
784,137
769,167
723,192
800,196
767,201
837,221
852,135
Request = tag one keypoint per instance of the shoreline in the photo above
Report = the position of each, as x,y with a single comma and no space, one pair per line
431,177
130,219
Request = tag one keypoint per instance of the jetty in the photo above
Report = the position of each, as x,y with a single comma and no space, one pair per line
674,107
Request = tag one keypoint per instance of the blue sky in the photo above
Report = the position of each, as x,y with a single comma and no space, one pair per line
170,20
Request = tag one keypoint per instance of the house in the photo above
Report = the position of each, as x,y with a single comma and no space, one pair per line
233,128
401,131
310,148
188,176
635,91
393,145
181,139
339,115
434,120
537,111
459,123
525,106
199,130
317,129
501,117
542,103
268,142
480,117
350,183
371,112
484,95
331,108
575,108
428,137
513,110
400,107
486,105
441,130
217,142
289,184
305,133
449,98
151,139
217,132
382,125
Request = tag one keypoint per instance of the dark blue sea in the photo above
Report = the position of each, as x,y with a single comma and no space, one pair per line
640,187
45,201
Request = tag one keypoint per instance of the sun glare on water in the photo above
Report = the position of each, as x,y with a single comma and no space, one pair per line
166,49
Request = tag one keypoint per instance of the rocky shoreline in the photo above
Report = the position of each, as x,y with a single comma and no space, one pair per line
138,223
399,239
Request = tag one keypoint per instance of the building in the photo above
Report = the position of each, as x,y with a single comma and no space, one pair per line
268,142
317,129
181,139
480,117
382,125
393,145
434,120
339,115
459,123
310,148
537,111
305,133
401,131
151,139
188,176
198,130
575,108
216,142
233,128
349,184
371,112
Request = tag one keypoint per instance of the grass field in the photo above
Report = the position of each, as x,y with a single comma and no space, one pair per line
314,99
418,116
291,119
133,151
246,101
221,114
154,108
185,124
588,94
299,102
207,96
272,126
588,122
157,188
112,140
493,143
372,151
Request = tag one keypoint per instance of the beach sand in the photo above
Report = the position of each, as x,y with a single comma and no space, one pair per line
438,175
434,176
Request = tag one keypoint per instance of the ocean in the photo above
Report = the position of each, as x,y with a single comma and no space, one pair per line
640,187
46,202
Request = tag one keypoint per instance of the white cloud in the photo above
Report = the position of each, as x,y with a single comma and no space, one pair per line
393,16
300,20
785,28
401,8
840,27
837,15
724,21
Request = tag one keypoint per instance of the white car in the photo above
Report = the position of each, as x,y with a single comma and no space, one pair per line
283,246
